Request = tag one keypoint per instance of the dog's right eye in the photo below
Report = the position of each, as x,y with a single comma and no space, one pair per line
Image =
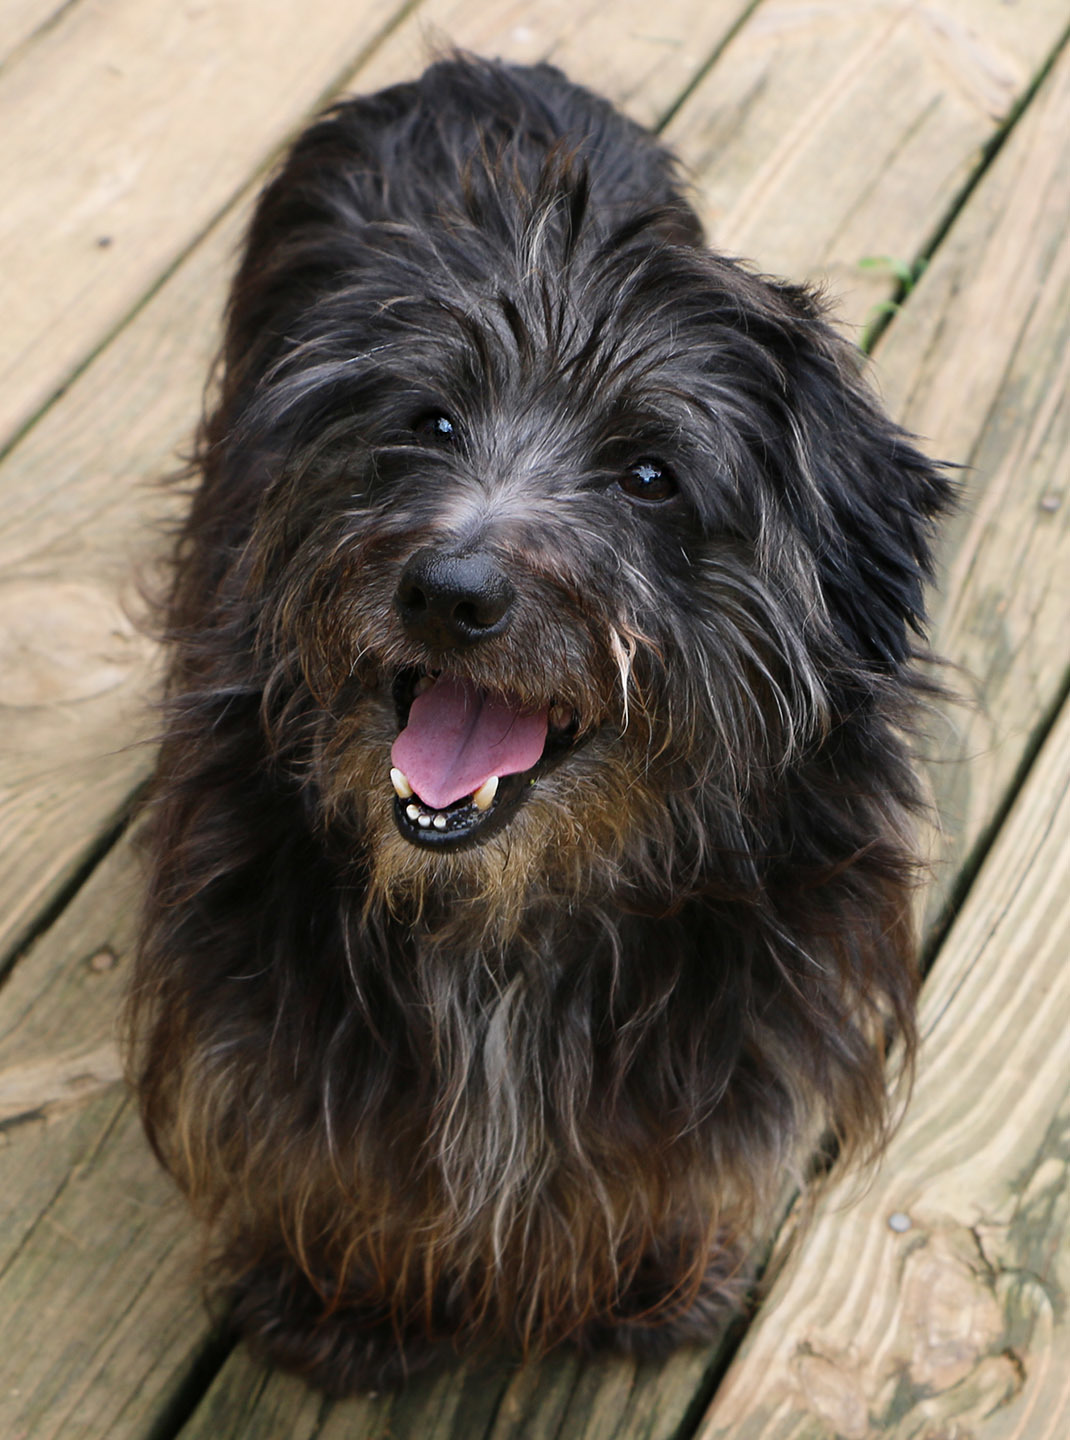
435,426
649,481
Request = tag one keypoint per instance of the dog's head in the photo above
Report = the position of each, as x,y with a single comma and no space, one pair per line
570,541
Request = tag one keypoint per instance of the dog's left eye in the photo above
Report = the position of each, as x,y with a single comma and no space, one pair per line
648,480
435,426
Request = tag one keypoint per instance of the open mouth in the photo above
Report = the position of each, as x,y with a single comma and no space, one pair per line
466,758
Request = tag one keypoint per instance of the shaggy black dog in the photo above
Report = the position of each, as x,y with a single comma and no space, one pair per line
530,849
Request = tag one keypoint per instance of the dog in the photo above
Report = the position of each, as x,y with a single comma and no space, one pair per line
530,854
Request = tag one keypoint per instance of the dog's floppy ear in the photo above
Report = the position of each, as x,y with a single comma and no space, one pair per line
863,495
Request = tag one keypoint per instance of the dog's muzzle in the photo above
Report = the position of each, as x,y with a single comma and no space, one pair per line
465,757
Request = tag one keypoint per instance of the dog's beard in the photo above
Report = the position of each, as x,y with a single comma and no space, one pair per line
575,835
672,735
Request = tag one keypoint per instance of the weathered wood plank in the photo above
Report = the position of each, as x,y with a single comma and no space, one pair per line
646,60
842,130
561,1398
82,516
97,1313
165,110
19,19
163,128
609,1397
936,1303
977,363
249,1401
58,1042
100,1317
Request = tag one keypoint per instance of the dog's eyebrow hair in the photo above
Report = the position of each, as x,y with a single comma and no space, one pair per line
517,326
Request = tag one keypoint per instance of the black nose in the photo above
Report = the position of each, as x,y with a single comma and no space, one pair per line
449,600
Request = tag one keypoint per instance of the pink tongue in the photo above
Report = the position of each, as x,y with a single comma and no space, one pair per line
458,737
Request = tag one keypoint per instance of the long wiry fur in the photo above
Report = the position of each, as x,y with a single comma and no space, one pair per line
546,1086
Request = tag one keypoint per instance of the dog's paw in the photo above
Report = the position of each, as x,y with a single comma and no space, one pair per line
343,1349
650,1320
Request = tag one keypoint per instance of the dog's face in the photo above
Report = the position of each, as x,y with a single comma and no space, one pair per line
563,542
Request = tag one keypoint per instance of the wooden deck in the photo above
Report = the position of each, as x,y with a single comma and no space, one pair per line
821,133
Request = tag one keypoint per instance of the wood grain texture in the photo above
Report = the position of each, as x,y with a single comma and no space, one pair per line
99,1321
58,1042
249,1401
645,59
100,1317
20,20
561,1398
978,363
124,130
841,130
935,1305
84,513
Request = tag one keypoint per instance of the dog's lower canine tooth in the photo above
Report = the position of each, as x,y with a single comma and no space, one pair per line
424,683
560,717
483,798
400,782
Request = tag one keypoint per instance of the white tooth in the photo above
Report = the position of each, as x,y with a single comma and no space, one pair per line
424,683
439,822
400,782
483,798
412,812
560,717
423,820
